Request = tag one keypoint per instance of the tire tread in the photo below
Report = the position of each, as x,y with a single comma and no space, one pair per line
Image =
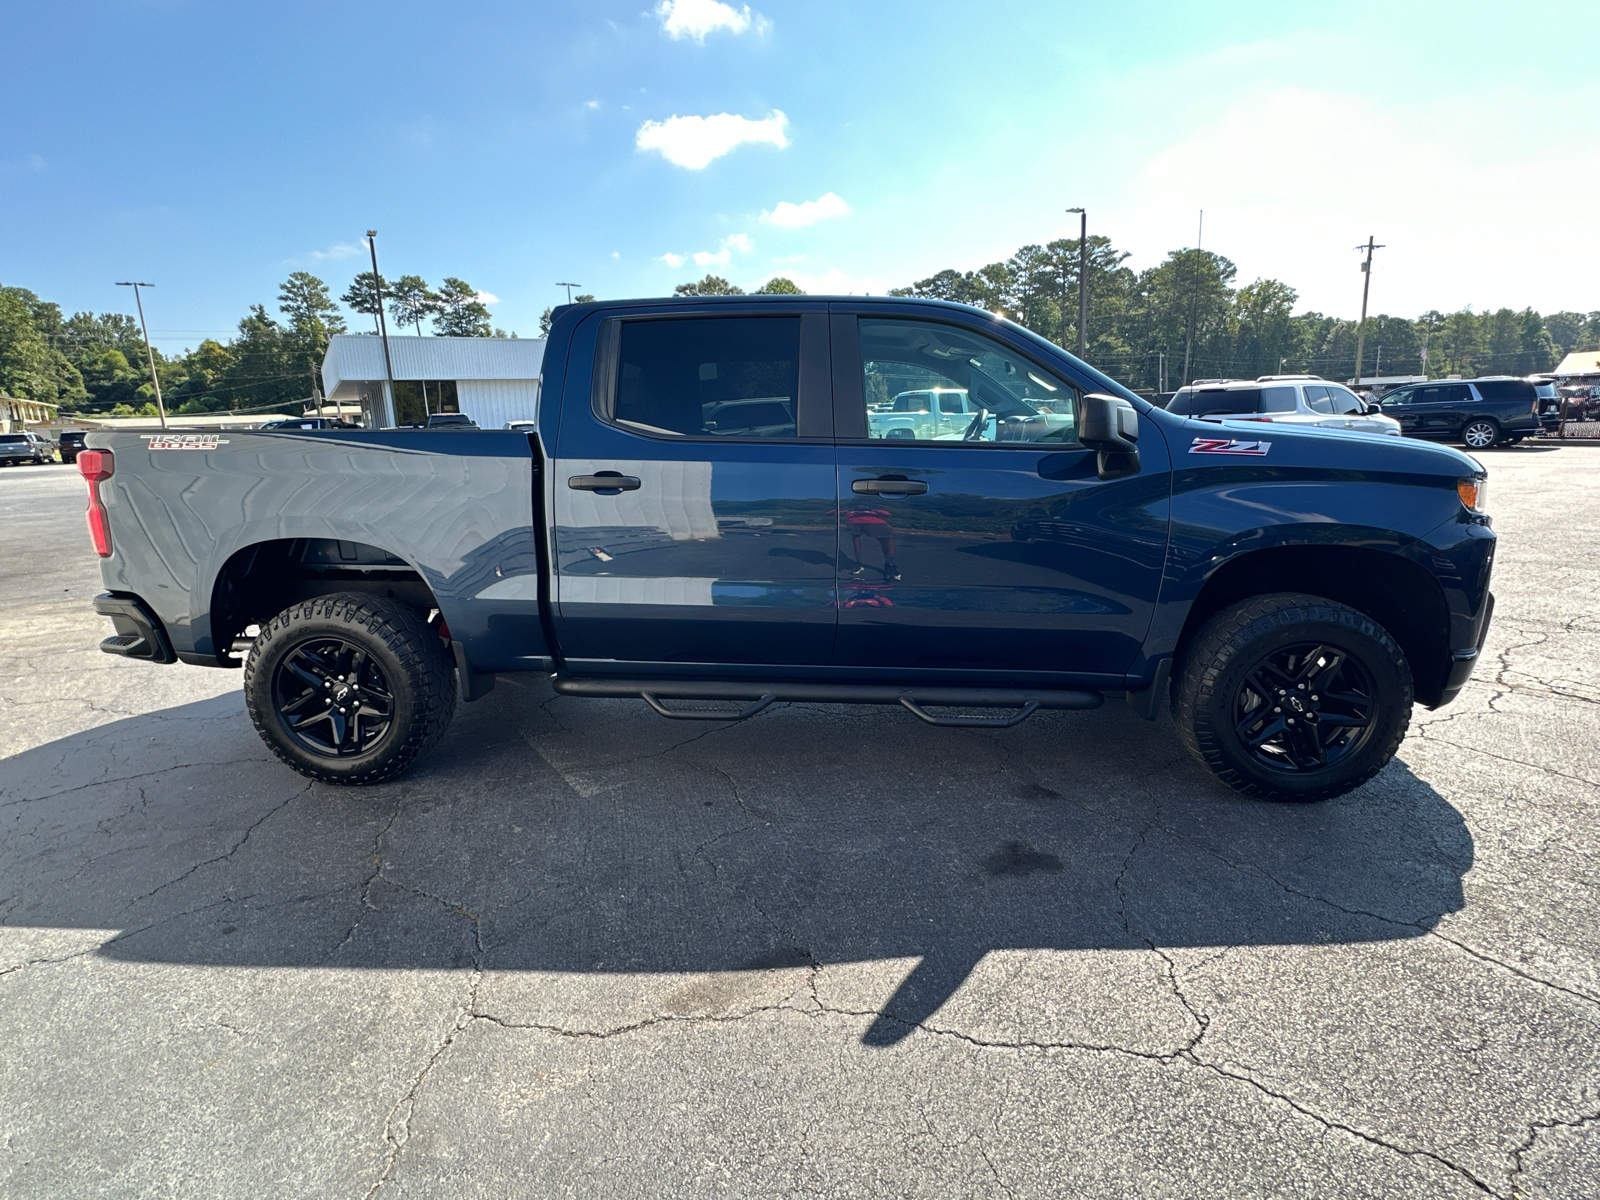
1230,633
426,670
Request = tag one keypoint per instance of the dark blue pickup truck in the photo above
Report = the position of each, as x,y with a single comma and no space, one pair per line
724,502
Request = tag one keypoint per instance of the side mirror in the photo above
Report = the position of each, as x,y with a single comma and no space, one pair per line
1109,425
1374,408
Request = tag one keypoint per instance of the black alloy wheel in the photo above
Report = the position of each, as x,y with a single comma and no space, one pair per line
332,698
1289,696
349,688
1304,707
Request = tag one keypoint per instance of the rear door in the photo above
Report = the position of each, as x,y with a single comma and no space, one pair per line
693,491
995,548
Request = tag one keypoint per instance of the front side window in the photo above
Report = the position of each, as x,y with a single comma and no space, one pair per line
1345,402
1317,398
927,382
709,377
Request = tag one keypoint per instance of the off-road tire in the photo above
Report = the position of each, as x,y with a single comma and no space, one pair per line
1236,641
418,672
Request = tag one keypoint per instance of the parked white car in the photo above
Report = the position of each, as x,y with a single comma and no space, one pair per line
1282,399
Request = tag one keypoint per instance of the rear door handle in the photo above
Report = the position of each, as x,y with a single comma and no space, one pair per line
604,481
889,486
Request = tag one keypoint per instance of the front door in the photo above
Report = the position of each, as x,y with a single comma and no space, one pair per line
995,548
694,492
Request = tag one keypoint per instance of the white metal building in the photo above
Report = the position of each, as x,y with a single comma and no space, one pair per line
491,380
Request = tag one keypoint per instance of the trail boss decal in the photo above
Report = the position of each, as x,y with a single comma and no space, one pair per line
1228,446
184,441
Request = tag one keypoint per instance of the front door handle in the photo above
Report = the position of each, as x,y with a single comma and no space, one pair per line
889,486
609,482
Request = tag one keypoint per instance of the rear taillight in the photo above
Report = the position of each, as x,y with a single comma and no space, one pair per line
94,466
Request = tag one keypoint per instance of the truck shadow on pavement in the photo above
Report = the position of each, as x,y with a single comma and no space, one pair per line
558,835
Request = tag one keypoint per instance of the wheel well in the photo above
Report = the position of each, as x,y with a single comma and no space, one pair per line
1398,594
262,580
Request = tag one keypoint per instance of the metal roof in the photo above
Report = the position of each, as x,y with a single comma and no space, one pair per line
358,358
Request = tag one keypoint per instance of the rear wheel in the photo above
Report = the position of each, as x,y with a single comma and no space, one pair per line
1480,434
349,688
1293,697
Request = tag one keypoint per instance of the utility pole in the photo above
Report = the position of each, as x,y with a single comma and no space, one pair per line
1366,286
569,287
383,330
1200,237
1161,361
150,354
1083,281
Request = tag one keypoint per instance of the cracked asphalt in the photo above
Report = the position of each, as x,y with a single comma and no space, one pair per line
828,952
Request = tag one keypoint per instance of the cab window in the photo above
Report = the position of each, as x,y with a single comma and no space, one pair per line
988,393
709,377
1317,398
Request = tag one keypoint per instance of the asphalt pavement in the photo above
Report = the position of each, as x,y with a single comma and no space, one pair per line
828,952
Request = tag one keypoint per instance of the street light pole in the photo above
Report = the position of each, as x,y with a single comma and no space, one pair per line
1366,286
150,354
569,287
383,329
1083,281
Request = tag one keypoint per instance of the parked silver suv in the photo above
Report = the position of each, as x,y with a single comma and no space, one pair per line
1282,399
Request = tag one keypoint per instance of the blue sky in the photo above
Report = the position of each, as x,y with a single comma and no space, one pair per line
213,148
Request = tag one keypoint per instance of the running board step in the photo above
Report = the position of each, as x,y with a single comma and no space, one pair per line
759,696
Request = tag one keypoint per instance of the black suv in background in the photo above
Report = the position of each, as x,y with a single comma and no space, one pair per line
1495,410
70,443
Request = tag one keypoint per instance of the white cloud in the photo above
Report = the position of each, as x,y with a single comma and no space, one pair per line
694,142
797,216
1297,217
488,298
736,241
695,18
337,251
672,260
591,104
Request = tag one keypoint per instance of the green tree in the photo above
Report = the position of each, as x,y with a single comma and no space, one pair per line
460,312
711,285
31,365
779,286
411,301
1460,344
1266,340
362,294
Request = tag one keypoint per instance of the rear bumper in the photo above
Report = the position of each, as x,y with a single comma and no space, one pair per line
140,633
1463,661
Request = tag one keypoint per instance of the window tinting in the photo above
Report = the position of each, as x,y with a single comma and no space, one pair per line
1209,401
1443,393
928,382
1506,389
1279,399
709,377
1317,398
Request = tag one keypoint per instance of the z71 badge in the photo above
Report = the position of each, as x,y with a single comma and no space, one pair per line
1228,446
184,441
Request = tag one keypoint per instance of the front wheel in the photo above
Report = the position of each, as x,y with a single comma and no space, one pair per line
1293,697
1480,434
349,688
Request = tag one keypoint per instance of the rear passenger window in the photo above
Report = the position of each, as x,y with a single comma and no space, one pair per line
709,377
1506,389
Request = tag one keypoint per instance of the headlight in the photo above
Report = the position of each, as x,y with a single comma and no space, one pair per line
1474,493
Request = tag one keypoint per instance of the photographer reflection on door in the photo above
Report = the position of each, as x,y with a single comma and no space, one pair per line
872,523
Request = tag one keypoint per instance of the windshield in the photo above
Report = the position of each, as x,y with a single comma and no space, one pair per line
13,437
